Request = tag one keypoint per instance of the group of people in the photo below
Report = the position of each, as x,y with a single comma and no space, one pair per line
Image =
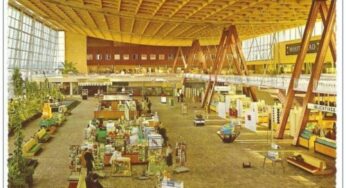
169,151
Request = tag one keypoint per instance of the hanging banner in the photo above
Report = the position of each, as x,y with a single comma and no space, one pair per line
322,108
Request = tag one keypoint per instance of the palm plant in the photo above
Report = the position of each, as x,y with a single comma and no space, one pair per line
69,67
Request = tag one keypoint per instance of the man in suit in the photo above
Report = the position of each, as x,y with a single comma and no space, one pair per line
88,156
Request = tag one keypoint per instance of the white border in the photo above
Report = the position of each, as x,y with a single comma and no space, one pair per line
340,164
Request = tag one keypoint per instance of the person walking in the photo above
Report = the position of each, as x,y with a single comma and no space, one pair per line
149,106
88,156
92,181
169,155
178,95
181,96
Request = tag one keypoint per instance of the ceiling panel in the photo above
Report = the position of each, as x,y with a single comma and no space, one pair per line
168,22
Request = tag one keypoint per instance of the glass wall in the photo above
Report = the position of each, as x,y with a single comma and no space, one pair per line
32,46
260,48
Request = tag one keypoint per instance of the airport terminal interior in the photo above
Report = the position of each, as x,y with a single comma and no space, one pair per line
171,93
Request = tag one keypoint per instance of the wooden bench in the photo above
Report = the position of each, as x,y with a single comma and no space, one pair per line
42,136
31,148
309,163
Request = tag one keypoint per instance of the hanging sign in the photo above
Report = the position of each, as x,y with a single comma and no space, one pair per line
322,108
221,88
294,49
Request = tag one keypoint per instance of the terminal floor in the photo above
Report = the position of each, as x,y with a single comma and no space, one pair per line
212,163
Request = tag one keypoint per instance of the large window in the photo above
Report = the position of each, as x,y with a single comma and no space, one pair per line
32,46
260,48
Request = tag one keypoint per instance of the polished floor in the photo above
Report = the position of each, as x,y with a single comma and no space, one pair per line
212,163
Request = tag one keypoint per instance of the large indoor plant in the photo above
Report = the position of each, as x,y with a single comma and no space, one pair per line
19,173
69,67
17,82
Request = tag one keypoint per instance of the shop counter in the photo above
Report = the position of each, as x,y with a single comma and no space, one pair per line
306,139
134,157
112,114
325,146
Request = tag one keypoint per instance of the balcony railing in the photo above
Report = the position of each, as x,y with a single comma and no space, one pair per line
326,84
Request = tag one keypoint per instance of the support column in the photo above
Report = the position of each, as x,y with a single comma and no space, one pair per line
327,39
332,45
71,88
229,41
214,71
317,69
298,67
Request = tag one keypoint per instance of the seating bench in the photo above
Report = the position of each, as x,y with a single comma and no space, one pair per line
309,163
31,148
42,136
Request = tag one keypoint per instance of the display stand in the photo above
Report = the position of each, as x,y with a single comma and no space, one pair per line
294,120
183,108
75,162
163,100
172,184
121,167
228,133
199,120
221,110
250,121
180,154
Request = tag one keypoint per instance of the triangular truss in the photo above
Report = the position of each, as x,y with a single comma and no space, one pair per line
229,42
327,40
191,57
194,51
178,55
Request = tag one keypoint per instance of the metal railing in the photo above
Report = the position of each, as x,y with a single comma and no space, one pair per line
326,84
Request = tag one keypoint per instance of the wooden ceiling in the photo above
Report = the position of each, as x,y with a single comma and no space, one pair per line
167,22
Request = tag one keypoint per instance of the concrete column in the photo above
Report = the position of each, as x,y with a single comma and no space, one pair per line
71,88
